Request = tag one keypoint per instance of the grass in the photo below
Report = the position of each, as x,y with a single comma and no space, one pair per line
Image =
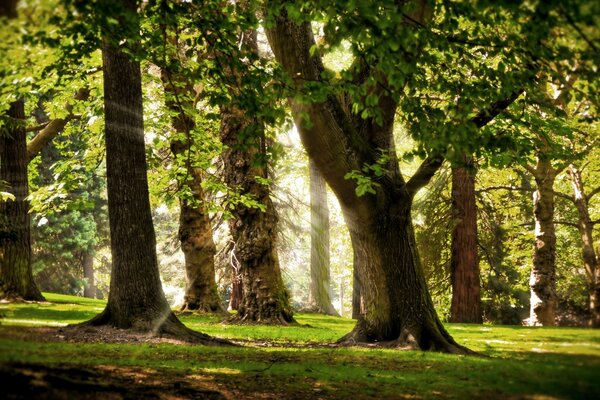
523,362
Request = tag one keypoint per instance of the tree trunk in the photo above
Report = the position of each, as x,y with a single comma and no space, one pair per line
136,300
320,284
357,307
89,289
195,230
591,260
543,277
16,277
265,298
464,263
237,290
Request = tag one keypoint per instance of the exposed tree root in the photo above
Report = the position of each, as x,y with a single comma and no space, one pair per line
204,308
167,327
278,319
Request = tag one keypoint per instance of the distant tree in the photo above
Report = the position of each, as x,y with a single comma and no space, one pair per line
320,283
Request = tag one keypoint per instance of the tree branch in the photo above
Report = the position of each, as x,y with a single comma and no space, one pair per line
53,128
37,127
592,193
563,196
483,117
424,173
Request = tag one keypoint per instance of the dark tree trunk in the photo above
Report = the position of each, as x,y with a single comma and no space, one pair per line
591,260
254,231
16,278
195,230
265,298
320,283
89,289
136,300
464,263
543,276
237,290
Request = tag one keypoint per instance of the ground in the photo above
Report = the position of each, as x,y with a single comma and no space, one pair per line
42,358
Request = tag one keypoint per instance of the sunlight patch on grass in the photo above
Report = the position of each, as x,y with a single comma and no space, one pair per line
31,322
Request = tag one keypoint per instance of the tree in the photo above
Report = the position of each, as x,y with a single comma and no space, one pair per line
464,262
16,278
195,230
320,285
348,134
136,300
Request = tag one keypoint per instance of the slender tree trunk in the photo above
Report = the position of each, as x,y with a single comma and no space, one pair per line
136,300
320,282
16,277
464,263
591,260
195,230
88,273
543,276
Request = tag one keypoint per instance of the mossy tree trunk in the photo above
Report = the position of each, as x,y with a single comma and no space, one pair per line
464,262
320,283
195,230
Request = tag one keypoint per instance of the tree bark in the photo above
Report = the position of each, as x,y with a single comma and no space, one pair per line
542,281
591,260
195,230
357,307
16,277
89,289
136,300
464,262
320,283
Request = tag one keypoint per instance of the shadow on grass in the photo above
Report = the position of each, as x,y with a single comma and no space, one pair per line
44,314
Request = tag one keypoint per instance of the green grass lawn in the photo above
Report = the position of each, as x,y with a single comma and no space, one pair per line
524,363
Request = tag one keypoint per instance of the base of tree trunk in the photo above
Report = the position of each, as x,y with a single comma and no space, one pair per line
427,339
169,327
204,307
10,295
262,317
314,309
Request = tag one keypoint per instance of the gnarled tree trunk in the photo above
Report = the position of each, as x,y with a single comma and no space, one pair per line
591,260
320,283
543,276
464,262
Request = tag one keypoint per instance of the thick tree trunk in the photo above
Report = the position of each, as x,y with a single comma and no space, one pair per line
265,298
464,263
357,307
591,260
195,230
16,277
136,300
320,283
543,277
89,289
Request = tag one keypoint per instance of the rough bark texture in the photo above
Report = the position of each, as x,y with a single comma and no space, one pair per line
16,278
195,230
89,289
136,300
319,298
464,262
357,308
542,281
591,260
265,298
398,307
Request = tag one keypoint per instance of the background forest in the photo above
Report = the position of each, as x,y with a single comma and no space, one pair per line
546,144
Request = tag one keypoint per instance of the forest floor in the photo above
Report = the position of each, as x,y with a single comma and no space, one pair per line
41,358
